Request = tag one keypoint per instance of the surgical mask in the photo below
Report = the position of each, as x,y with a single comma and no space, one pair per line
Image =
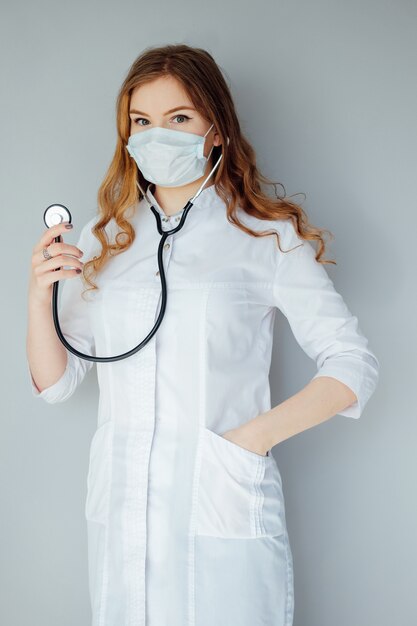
169,158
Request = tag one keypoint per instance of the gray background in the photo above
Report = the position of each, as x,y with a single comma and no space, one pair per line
326,93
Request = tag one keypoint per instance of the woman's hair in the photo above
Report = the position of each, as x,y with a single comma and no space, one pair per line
237,179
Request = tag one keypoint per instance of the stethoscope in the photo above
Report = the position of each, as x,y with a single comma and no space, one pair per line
58,213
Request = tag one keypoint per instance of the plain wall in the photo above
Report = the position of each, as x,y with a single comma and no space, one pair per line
326,92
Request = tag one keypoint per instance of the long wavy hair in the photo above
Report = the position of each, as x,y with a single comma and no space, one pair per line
237,179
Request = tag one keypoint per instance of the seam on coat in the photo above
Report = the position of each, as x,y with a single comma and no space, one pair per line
135,494
255,501
197,463
105,578
109,454
280,256
289,603
149,356
261,500
126,516
127,534
254,529
252,506
260,493
258,499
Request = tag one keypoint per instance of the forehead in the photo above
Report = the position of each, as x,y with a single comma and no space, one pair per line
160,94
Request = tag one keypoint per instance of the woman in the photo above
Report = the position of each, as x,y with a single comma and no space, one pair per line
185,510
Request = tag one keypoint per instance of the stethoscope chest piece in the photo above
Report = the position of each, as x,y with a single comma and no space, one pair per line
56,214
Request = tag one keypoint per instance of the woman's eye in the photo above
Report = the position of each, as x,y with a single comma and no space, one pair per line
184,116
140,118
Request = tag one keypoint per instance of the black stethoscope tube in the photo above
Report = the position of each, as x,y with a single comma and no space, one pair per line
107,359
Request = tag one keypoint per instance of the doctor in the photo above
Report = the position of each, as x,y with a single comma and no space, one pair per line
185,508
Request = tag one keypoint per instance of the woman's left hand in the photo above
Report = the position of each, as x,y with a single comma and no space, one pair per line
242,437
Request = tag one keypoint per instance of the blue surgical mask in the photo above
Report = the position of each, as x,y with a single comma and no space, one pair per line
169,158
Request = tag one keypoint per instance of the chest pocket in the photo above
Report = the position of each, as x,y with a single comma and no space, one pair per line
240,492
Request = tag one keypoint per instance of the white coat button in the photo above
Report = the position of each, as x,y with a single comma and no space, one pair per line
157,273
166,246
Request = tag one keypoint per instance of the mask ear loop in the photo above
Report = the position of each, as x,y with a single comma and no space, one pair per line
209,130
144,194
209,154
212,171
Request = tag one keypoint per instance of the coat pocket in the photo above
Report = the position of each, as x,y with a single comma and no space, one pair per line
98,479
240,491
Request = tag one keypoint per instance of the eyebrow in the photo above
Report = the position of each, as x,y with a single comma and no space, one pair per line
170,111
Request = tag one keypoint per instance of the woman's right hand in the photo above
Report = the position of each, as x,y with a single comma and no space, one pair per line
44,272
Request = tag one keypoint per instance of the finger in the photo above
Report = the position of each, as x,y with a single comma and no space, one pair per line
49,235
58,248
57,262
48,278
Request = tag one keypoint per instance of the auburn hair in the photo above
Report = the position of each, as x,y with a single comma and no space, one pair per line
237,179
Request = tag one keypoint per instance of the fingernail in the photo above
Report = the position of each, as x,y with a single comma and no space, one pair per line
68,225
78,270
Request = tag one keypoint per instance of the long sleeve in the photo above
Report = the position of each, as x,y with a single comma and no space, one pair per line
75,326
320,320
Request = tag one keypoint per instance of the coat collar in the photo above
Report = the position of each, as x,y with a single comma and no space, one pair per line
206,198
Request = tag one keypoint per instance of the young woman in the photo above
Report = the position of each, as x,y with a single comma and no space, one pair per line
185,509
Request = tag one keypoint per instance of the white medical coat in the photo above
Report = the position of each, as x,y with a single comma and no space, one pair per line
184,526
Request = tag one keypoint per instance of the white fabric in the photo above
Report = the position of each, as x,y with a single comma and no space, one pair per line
184,526
169,157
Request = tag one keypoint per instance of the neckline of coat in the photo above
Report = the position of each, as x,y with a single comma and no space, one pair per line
205,199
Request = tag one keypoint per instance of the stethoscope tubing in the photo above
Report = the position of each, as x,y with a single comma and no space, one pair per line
118,357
